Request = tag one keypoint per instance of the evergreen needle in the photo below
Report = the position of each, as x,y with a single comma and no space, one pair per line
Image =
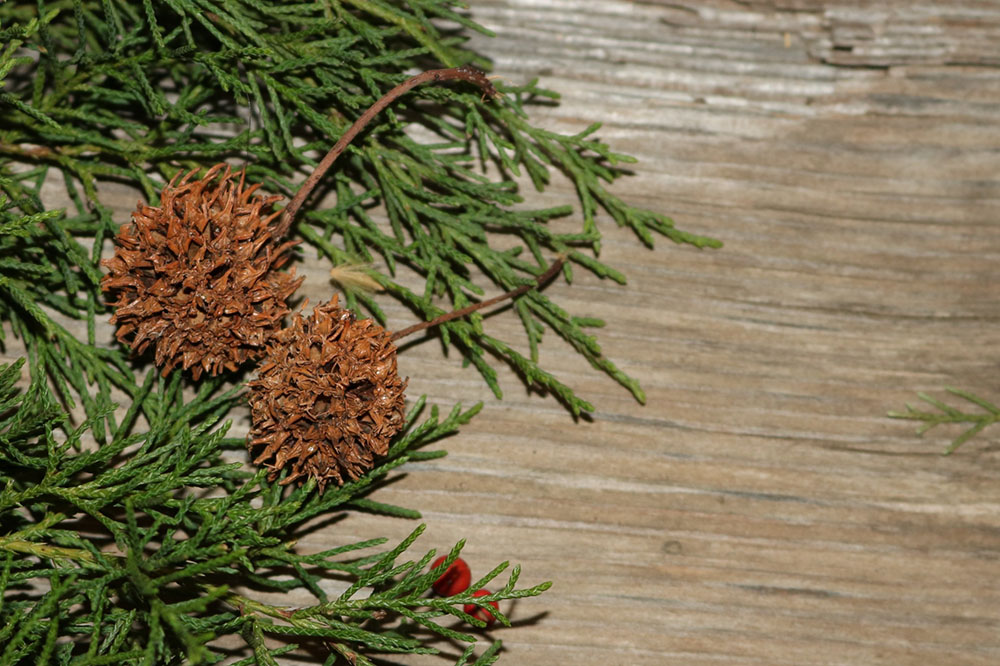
944,414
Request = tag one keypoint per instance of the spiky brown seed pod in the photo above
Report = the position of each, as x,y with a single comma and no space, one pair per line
327,398
197,276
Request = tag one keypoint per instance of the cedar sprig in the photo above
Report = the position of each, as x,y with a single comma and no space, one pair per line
385,584
944,414
585,160
124,534
120,522
45,271
149,87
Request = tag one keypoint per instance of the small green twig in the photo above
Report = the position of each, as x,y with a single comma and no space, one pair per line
946,414
549,273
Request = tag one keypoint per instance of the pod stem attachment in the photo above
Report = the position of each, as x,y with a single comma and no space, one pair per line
463,73
542,279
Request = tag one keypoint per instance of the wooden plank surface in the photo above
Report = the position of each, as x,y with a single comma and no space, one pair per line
760,509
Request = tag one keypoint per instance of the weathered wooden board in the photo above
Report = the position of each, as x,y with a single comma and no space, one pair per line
760,509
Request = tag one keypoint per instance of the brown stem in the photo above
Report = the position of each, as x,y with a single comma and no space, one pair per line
40,152
463,73
549,273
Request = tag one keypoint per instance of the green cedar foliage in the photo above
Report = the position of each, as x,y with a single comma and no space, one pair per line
116,549
133,534
944,414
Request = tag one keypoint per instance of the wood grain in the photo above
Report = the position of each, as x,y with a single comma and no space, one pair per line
760,508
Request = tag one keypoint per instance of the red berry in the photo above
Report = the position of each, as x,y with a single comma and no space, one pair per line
454,580
479,612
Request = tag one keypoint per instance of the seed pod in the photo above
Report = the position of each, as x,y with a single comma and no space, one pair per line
197,277
327,398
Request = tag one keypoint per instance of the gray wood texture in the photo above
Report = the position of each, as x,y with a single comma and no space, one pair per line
760,508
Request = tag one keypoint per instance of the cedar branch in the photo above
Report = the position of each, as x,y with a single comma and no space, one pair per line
463,73
549,273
